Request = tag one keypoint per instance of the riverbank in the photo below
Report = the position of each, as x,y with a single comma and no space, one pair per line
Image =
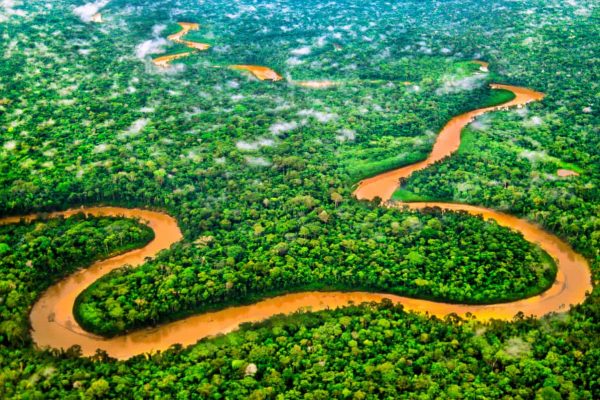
53,324
186,27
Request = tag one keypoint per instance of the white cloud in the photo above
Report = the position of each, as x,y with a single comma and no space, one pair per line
101,148
152,46
87,11
517,347
527,41
221,49
293,61
346,134
452,84
302,51
158,29
522,112
66,102
584,12
10,145
320,116
533,156
257,161
173,69
321,41
481,124
241,10
281,127
251,146
135,128
7,9
534,121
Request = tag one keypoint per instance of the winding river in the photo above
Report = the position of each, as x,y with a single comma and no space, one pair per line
186,27
52,319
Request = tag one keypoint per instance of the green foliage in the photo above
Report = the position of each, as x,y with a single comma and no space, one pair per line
254,166
359,169
36,254
434,255
379,351
496,97
406,196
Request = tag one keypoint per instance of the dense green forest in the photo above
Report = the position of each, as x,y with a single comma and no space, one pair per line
445,256
38,253
260,174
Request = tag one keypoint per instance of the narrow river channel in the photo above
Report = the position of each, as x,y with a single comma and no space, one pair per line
53,324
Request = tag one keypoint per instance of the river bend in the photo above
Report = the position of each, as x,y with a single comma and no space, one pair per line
53,324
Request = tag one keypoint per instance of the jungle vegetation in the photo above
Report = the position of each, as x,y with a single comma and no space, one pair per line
38,253
266,171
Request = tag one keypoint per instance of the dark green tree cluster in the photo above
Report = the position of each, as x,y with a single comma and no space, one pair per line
260,176
359,352
33,255
434,255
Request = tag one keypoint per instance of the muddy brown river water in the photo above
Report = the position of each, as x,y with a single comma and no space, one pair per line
53,324
262,73
186,27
